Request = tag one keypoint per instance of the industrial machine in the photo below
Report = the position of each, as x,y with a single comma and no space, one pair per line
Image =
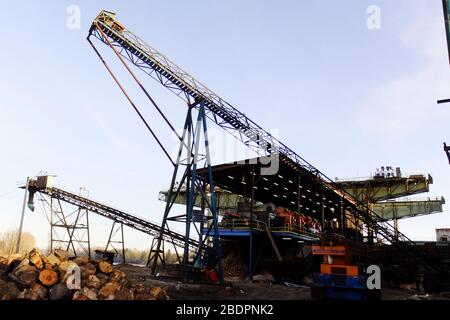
295,185
342,271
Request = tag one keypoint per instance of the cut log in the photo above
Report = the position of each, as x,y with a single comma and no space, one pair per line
52,262
80,297
90,293
31,294
62,255
35,258
3,264
59,292
123,294
14,258
65,265
107,292
8,290
93,282
139,289
105,267
23,262
40,291
13,262
81,261
143,296
25,275
87,270
159,293
103,278
118,276
26,294
48,277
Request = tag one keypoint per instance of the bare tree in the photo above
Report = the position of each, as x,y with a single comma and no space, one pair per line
8,242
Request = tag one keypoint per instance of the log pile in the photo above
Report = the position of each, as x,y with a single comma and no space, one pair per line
56,276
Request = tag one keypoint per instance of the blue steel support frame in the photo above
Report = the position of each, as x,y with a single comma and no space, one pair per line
193,184
191,139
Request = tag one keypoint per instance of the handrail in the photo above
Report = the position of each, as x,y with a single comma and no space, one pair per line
244,224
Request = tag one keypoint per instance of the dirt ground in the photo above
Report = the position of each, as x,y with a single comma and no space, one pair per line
237,289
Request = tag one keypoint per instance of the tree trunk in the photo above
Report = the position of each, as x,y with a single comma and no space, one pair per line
81,261
59,292
159,293
48,277
25,275
61,254
8,290
107,292
3,265
105,267
51,262
87,270
35,258
93,282
40,291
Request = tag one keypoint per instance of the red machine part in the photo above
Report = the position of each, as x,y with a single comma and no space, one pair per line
293,218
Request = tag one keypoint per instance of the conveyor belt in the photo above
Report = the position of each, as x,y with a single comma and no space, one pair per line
129,46
114,214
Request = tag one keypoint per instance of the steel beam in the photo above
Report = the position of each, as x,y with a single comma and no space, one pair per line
379,189
390,210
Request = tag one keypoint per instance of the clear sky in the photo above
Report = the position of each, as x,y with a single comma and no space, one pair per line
345,97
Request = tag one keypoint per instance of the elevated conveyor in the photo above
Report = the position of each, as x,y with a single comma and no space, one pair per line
381,188
109,212
127,45
389,210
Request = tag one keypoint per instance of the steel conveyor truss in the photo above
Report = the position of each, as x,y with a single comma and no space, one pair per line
129,46
116,215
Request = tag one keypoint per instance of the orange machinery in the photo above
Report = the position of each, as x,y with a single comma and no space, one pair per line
293,218
341,273
336,260
340,255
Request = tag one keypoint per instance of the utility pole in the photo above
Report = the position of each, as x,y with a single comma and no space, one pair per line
24,205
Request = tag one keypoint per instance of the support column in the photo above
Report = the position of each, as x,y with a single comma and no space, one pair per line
395,224
123,244
88,234
342,217
111,241
323,212
250,258
24,205
299,194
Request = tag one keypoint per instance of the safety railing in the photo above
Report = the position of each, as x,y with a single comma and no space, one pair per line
310,232
244,224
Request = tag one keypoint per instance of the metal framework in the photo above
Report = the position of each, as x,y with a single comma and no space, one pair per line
130,47
379,189
189,157
55,196
69,230
392,210
115,239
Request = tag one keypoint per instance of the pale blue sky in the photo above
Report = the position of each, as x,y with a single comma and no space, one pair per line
346,98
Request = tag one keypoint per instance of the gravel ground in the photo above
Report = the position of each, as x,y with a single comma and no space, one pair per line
242,290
